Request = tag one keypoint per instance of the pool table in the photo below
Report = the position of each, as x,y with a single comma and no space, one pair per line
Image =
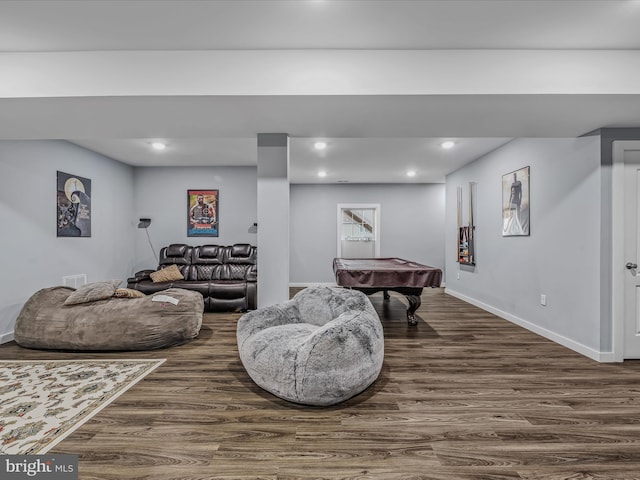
371,275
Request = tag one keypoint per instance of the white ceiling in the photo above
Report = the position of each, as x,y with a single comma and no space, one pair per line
51,25
479,72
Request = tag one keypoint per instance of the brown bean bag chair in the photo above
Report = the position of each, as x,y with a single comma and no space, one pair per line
45,322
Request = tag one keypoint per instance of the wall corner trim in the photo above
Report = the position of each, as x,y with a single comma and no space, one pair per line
543,332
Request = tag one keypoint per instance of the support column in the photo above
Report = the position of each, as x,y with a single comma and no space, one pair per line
273,218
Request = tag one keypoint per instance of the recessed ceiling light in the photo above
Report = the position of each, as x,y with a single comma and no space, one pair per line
447,145
322,173
320,145
158,146
411,173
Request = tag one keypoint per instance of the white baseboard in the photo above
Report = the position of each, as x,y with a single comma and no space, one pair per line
6,337
543,332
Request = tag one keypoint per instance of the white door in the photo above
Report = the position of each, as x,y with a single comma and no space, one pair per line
358,231
632,254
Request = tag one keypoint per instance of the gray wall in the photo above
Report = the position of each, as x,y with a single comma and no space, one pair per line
411,217
561,257
32,256
161,194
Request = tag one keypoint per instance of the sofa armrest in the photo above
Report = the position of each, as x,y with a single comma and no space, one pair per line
139,276
252,274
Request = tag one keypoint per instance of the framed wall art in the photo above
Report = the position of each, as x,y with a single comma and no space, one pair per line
202,213
515,203
73,199
466,241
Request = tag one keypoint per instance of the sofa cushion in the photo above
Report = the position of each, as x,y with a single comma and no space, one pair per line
168,274
209,251
205,272
241,250
238,272
205,260
221,289
176,250
231,271
92,292
202,287
241,253
177,253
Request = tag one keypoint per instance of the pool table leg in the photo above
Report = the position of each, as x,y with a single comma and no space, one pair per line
412,293
414,303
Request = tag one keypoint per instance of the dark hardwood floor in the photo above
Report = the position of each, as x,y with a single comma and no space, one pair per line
464,395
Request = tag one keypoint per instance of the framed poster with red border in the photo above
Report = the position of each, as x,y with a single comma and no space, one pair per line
202,213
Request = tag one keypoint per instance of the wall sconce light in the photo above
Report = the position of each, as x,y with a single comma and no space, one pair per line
144,223
253,228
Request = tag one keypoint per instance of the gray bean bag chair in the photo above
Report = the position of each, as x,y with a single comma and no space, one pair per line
45,322
320,348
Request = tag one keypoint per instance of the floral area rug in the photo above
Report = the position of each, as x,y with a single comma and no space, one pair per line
41,402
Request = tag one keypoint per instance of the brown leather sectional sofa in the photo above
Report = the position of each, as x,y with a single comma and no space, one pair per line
226,276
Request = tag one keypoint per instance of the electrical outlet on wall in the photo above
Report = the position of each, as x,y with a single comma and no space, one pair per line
458,276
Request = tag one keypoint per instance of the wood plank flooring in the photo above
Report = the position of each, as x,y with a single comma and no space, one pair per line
464,395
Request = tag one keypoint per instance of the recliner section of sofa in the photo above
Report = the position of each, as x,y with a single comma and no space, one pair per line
225,276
